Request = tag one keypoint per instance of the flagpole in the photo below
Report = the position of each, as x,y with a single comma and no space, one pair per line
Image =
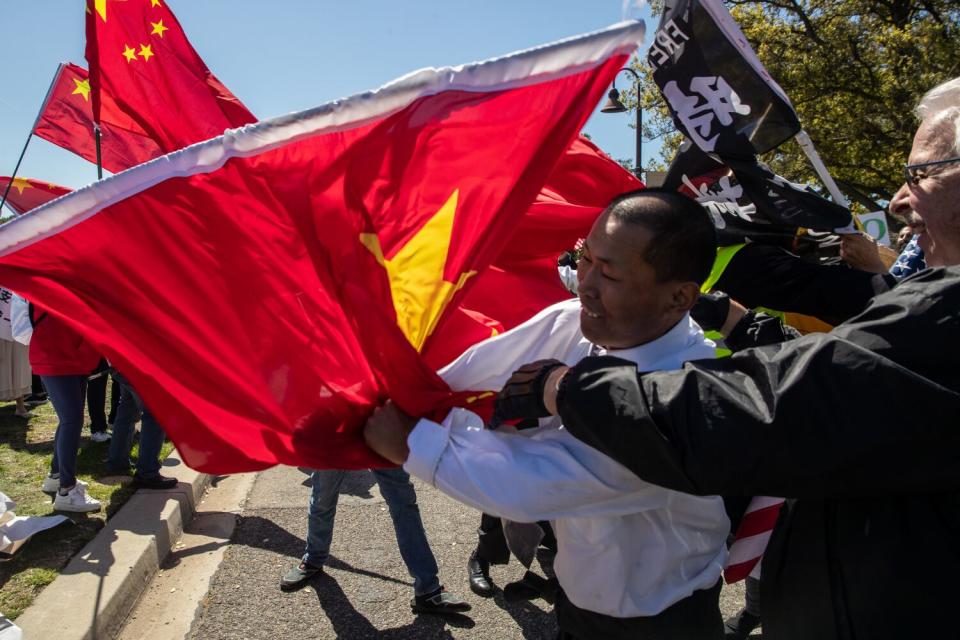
807,145
36,121
96,138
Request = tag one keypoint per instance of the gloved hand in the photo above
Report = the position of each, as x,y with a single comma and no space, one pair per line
522,396
711,310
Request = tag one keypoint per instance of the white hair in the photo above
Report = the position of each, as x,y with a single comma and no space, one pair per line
942,105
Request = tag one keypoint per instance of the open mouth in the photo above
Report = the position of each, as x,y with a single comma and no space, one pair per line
588,313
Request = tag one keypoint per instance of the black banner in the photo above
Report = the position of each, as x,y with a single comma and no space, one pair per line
719,93
747,201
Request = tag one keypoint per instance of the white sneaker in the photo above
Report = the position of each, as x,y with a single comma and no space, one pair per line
100,436
51,484
76,500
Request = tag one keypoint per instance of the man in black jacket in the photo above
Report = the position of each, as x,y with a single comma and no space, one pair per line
856,426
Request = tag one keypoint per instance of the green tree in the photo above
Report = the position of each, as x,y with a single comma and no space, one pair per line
854,69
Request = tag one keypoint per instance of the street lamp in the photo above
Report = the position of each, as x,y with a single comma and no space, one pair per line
614,105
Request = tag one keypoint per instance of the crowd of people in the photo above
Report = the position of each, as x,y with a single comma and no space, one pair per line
621,442
640,429
59,365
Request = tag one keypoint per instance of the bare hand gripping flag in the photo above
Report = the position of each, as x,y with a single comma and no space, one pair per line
265,289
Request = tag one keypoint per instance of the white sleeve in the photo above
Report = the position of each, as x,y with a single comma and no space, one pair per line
550,475
20,326
487,365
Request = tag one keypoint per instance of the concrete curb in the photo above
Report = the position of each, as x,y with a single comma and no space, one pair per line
98,588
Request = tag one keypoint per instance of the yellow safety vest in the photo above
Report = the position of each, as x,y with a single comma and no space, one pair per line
806,324
724,256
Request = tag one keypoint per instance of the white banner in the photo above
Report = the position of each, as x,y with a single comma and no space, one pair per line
875,224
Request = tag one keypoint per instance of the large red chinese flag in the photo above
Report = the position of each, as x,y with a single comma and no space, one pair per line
66,120
26,193
523,279
265,289
139,55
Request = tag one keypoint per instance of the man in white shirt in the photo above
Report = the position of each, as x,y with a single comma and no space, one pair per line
634,560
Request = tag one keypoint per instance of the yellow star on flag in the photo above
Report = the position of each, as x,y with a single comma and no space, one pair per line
101,7
158,28
20,184
154,3
420,294
129,53
145,52
82,88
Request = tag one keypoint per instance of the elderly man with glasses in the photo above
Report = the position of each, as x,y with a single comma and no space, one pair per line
857,428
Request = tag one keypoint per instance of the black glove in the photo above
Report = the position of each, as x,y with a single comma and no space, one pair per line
711,310
568,259
522,396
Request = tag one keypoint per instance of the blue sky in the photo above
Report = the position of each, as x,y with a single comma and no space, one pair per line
288,55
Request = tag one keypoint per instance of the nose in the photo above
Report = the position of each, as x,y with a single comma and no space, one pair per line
586,280
900,204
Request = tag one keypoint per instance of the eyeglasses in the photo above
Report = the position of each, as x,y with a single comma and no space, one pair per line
915,172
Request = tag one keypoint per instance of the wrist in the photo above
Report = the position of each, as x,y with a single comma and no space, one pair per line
552,389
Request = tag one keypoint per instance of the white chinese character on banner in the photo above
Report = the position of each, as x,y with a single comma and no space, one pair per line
716,100
723,190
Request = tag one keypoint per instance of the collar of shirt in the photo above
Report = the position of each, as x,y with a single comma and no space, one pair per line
685,341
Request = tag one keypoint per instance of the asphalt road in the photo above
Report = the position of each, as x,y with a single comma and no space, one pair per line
365,591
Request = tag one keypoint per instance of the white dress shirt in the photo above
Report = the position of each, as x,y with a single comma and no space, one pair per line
625,547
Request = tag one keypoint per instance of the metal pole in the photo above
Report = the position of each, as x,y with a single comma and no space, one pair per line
807,145
36,120
96,139
6,191
639,170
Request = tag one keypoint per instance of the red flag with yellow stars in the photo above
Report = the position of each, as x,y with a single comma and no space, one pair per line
26,193
265,290
66,120
139,55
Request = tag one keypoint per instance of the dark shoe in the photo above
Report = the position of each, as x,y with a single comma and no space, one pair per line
478,572
740,626
35,399
299,576
531,586
440,601
155,482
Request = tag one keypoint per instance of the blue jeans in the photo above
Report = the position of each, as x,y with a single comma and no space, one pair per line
397,490
67,394
129,410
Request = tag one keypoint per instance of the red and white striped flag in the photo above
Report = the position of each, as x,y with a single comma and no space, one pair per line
751,539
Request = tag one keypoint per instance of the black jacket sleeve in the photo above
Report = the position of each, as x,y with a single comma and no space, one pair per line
869,409
761,275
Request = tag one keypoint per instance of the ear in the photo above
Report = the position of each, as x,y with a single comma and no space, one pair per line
685,295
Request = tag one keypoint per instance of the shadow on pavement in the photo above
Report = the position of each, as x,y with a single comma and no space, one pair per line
530,620
350,624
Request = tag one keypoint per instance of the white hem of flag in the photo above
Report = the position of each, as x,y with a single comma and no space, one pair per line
523,68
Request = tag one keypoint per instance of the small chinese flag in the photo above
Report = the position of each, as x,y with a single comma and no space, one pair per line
67,121
26,193
139,55
264,291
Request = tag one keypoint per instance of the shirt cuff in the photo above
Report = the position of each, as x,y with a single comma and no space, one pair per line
426,442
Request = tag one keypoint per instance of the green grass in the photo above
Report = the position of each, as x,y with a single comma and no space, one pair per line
26,447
